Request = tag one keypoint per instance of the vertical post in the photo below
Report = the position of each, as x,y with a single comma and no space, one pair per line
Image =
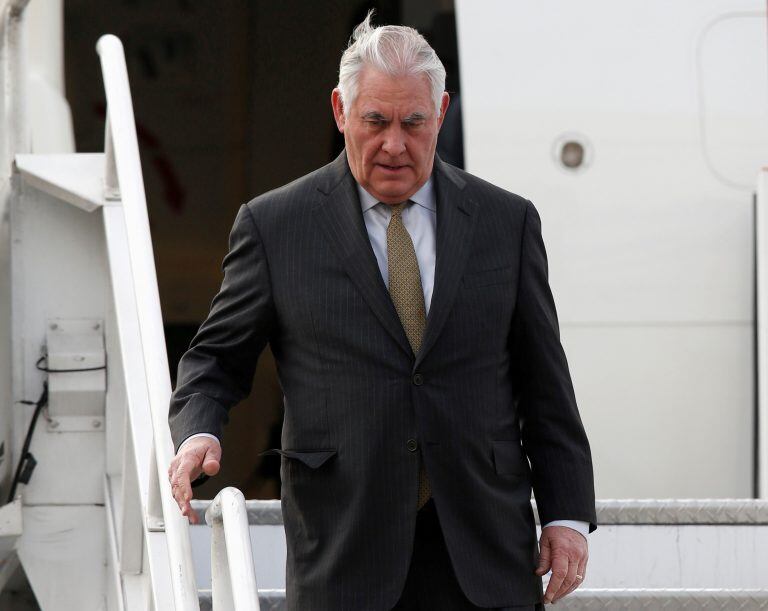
761,275
155,521
233,577
111,184
221,580
14,81
131,527
12,141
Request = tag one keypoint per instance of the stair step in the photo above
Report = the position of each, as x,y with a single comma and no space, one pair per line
76,178
603,599
616,512
666,599
689,554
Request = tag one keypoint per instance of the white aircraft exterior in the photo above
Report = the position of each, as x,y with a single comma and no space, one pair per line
651,237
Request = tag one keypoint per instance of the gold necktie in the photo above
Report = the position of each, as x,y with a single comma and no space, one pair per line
408,297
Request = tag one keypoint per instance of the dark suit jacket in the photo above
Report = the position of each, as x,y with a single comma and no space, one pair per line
488,391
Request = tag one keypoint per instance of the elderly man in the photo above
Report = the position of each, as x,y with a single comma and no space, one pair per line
426,390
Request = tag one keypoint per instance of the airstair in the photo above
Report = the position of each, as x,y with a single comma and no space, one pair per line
84,440
90,516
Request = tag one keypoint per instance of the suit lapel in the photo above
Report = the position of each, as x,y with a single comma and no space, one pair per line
456,215
341,218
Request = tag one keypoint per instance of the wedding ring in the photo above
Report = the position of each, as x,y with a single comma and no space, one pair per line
579,577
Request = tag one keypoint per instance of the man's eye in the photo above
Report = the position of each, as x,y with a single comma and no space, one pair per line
375,122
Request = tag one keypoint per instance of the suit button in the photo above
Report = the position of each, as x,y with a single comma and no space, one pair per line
418,379
412,445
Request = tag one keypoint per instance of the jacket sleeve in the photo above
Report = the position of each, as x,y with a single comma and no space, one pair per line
553,436
216,372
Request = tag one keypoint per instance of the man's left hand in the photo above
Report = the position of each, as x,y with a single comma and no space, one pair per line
564,551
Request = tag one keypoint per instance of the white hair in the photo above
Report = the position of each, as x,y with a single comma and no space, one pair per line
396,50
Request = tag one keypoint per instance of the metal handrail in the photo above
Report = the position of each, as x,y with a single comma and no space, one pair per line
233,578
123,162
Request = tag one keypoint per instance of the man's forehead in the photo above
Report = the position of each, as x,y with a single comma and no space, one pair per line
380,91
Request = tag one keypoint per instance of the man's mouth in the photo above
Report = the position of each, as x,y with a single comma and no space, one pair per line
391,168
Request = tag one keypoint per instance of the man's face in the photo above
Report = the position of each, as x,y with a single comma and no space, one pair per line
390,132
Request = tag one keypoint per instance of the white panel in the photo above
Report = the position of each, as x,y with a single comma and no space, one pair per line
668,410
10,530
49,115
734,96
646,232
678,557
44,25
63,552
59,272
650,250
6,333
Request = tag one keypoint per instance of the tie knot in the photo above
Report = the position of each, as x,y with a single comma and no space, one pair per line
398,208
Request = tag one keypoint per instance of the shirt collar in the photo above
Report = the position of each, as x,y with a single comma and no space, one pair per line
425,196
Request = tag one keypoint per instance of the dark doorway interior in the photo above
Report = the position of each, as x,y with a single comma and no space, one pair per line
229,103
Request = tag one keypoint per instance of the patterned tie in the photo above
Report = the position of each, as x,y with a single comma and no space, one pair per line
408,297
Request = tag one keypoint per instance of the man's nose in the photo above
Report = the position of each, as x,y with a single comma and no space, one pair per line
394,142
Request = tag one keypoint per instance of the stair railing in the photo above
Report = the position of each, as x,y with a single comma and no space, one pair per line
233,578
124,181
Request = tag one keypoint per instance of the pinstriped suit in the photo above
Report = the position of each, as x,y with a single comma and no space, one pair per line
489,386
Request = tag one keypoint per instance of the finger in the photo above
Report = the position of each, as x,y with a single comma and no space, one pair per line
183,500
559,573
189,467
182,489
581,574
173,466
570,578
188,512
544,556
212,460
192,515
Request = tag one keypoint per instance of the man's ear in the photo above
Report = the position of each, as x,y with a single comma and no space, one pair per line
338,109
443,108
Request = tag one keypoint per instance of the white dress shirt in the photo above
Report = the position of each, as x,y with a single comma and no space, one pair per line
420,220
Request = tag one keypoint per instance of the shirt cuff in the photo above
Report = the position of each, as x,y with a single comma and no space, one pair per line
578,526
197,435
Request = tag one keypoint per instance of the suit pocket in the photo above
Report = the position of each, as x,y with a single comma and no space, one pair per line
311,458
488,277
508,458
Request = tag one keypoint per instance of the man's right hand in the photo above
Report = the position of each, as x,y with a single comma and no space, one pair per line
195,456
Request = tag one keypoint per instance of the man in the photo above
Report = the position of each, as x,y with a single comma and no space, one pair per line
407,306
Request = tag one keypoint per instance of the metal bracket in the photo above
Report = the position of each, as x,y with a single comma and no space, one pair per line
77,381
71,424
155,524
